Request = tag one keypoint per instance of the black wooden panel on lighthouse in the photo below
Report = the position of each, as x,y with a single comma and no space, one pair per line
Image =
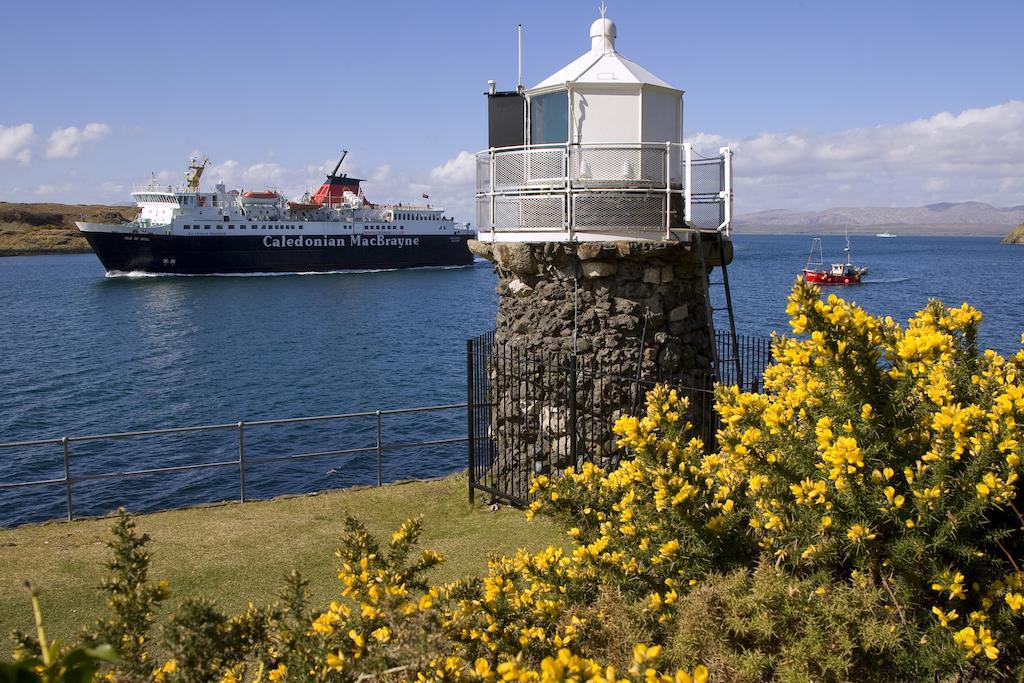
506,119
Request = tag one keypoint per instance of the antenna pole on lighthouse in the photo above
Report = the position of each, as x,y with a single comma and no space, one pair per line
519,52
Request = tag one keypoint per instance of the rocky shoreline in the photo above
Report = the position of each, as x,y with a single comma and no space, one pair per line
1016,236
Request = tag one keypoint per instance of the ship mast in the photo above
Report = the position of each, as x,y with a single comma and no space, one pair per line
194,173
334,173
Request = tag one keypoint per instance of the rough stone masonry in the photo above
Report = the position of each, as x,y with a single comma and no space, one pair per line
619,305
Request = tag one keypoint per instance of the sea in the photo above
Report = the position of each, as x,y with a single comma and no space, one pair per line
84,354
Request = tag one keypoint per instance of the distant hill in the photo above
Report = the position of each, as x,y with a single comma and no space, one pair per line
948,218
50,228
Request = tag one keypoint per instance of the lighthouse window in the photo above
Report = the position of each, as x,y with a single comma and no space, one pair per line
549,118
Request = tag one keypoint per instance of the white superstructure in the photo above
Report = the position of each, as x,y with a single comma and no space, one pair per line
184,212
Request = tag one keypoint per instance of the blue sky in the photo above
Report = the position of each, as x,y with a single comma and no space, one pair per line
272,91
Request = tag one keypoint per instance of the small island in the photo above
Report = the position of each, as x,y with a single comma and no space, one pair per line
1016,236
29,229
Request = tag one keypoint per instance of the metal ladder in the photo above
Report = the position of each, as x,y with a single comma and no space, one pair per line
724,359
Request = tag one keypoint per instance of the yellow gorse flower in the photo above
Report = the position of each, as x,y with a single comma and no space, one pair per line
847,452
976,642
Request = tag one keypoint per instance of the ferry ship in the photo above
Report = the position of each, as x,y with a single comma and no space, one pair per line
189,232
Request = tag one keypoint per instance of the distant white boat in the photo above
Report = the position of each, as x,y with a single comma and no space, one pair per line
884,234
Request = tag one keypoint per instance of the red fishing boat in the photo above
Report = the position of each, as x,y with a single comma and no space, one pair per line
837,274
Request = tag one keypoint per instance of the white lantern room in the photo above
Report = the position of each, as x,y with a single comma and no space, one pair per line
595,152
602,97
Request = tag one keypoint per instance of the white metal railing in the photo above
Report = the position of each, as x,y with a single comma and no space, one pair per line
605,191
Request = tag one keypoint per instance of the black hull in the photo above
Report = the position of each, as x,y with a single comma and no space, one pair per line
175,254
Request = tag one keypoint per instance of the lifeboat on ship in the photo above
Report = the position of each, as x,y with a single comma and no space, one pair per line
838,274
264,197
303,206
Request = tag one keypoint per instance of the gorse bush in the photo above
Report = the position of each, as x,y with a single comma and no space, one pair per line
880,457
768,624
858,520
131,601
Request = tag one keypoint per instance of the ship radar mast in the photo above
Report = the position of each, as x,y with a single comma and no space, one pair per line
194,173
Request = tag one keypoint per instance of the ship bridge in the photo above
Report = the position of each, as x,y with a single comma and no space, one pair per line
595,152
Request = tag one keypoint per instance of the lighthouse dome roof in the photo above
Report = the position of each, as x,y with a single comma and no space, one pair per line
602,64
603,29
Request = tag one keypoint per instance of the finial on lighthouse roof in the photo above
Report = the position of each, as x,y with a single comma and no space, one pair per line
602,33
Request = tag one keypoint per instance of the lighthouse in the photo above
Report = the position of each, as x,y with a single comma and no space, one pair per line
603,225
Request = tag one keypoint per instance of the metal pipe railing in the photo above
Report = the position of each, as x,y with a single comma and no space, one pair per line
555,191
241,462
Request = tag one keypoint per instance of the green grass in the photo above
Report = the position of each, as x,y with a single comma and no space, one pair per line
237,553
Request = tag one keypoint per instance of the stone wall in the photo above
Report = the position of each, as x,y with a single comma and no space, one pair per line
619,305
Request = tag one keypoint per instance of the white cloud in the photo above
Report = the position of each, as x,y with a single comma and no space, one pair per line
460,170
267,173
226,172
15,143
58,192
977,154
113,189
260,175
381,174
66,143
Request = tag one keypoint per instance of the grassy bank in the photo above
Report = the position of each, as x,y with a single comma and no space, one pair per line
50,228
238,553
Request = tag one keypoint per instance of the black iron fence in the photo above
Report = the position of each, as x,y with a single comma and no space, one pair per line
533,413
744,365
